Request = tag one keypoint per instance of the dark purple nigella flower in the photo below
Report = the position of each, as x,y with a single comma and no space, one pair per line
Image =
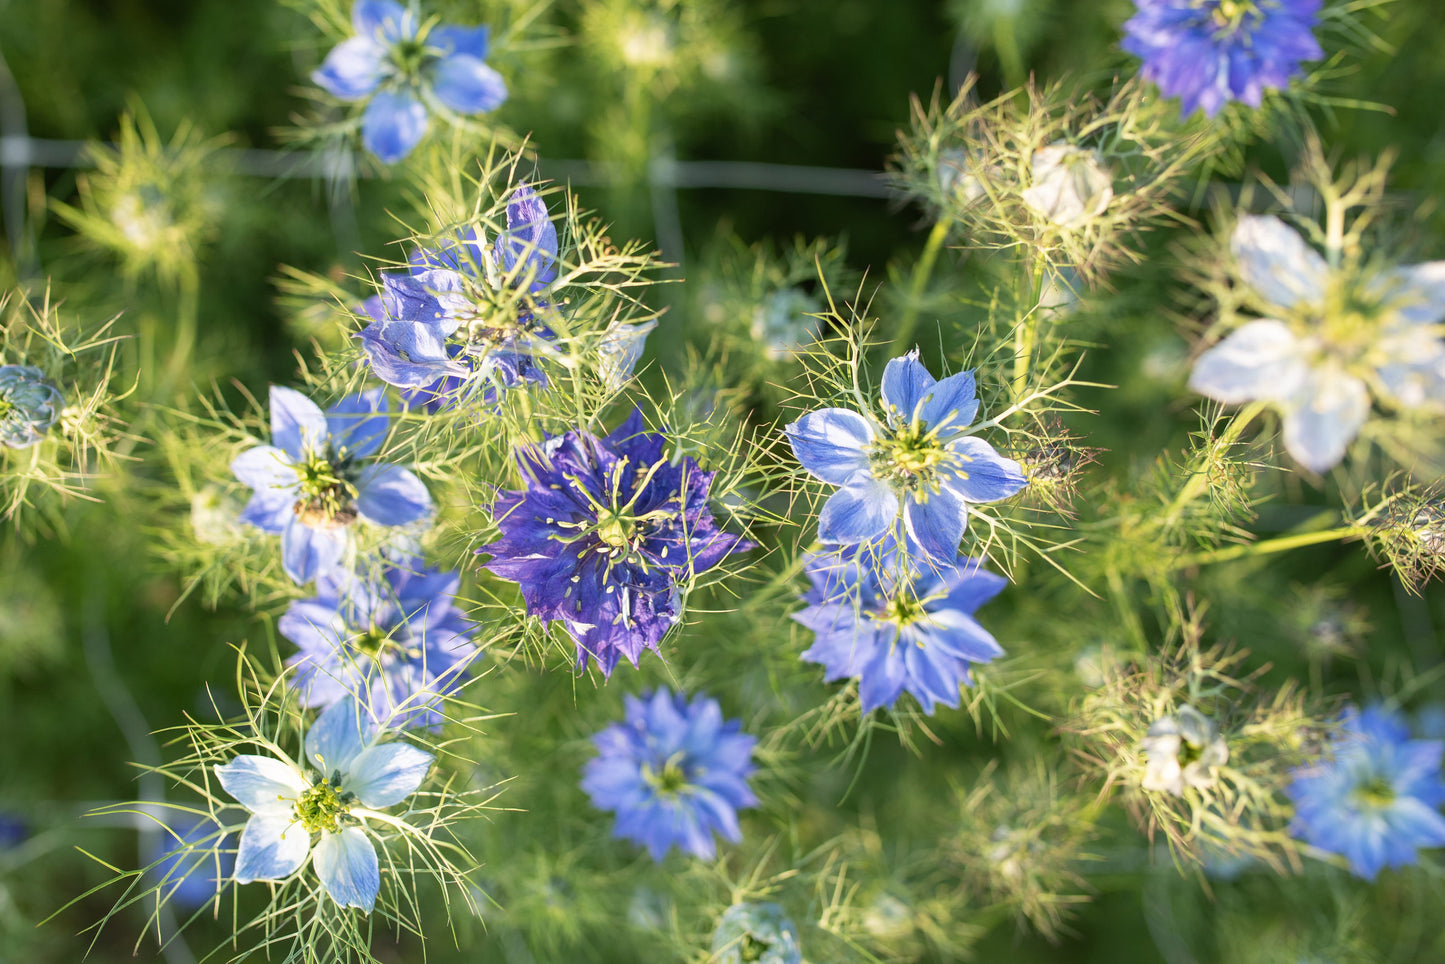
1210,52
465,318
396,641
674,772
604,534
894,626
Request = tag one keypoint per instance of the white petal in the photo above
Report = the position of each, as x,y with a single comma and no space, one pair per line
272,848
346,864
1277,263
261,784
387,774
1261,361
1417,292
1325,416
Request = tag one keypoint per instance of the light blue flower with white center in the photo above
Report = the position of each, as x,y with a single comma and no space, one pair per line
1331,338
321,809
317,478
919,461
406,69
1376,800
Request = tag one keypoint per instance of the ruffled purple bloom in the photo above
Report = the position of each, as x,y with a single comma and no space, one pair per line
397,642
316,479
604,535
1210,52
1375,802
893,626
466,317
674,772
405,71
918,462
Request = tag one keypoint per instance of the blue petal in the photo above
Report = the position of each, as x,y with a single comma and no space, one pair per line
347,866
858,512
394,122
905,381
272,847
383,19
986,476
297,423
389,495
264,467
882,679
270,510
951,404
358,422
338,736
530,239
261,784
352,69
831,443
937,525
472,41
468,86
307,553
384,775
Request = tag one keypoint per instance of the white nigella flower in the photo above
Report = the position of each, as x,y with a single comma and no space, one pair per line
1181,751
620,351
1332,337
1070,185
322,810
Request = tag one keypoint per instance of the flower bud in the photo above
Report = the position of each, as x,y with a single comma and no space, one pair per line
29,405
620,351
1070,185
1182,750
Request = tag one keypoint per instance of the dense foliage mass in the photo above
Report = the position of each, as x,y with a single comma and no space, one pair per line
678,480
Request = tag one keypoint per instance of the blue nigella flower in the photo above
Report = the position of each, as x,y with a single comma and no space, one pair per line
756,932
894,626
603,536
1375,802
30,405
465,314
194,861
396,641
321,810
918,461
674,772
406,69
315,480
1210,52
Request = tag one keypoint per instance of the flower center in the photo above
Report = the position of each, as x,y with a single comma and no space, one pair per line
1374,793
323,806
902,610
409,56
752,948
1229,15
910,459
615,529
376,642
671,781
328,499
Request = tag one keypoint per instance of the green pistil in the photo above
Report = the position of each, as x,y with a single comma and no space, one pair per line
671,781
902,610
751,948
1230,14
410,56
910,459
1375,794
328,500
616,530
376,642
323,807
6,406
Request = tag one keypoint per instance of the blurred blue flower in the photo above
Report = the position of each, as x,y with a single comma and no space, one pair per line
1316,362
919,461
604,536
13,830
315,480
756,932
406,68
465,315
396,641
29,405
349,773
194,861
1375,801
881,619
674,772
1210,52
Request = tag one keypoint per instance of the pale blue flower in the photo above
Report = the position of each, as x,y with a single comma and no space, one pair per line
1316,364
30,405
321,811
760,933
918,461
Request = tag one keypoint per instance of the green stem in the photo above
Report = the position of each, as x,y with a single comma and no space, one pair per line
921,272
1198,481
1026,331
1010,58
1267,546
187,322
